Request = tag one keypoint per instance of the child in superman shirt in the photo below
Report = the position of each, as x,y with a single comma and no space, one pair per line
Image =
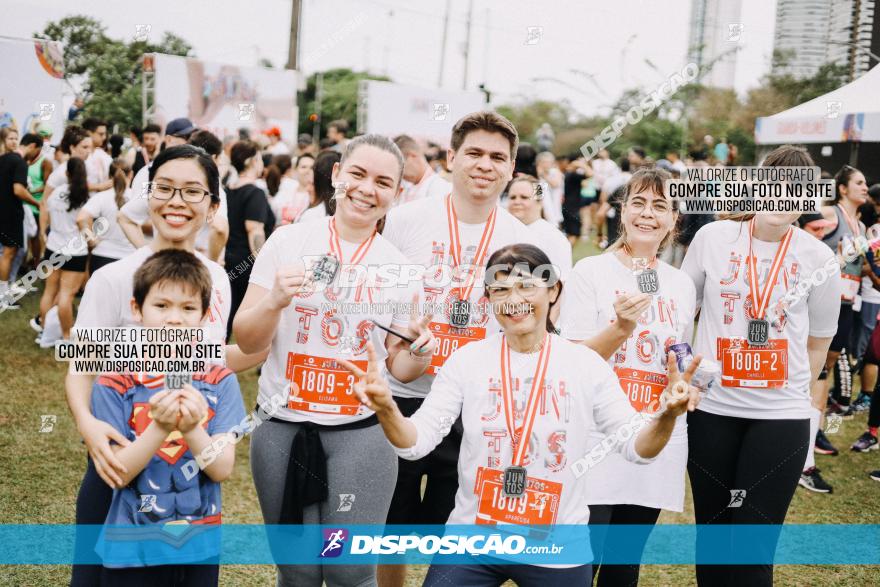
162,525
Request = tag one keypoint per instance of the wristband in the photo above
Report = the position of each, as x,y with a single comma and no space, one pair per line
426,358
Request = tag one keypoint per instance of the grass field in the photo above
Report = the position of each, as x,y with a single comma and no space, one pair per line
41,474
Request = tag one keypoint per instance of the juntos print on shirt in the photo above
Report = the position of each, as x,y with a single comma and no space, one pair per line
546,448
735,295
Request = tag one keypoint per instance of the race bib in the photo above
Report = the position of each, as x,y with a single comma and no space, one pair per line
321,385
449,340
642,388
759,367
538,507
851,286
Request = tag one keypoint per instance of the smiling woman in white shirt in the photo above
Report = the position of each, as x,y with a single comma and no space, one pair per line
769,295
629,307
483,382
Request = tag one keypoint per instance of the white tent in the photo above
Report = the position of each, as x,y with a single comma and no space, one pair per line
848,114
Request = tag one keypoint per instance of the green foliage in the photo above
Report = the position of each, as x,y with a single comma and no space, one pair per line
340,98
111,68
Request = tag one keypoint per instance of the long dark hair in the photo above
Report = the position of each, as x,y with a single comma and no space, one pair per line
78,184
73,135
280,165
323,173
212,176
119,174
539,266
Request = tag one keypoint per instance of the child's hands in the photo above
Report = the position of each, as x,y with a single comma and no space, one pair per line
165,410
193,408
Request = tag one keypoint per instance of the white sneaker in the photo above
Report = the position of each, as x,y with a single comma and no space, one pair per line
35,325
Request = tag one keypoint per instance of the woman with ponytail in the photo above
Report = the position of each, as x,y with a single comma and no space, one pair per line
112,244
58,212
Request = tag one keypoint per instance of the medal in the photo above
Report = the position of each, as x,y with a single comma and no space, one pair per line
460,314
460,317
515,477
177,380
758,333
514,481
326,268
324,271
646,277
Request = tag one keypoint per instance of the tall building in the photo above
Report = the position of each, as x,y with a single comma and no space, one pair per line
814,32
715,29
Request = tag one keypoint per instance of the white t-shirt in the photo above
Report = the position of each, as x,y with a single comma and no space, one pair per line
587,309
715,263
113,244
279,148
107,299
421,232
603,169
431,185
313,213
313,325
552,202
553,242
288,206
469,385
58,177
98,165
137,208
63,232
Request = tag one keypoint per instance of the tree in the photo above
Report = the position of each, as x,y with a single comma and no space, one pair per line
340,97
111,69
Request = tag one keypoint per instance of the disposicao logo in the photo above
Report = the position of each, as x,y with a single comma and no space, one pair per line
334,541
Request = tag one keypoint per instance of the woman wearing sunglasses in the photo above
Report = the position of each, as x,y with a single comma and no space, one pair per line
528,366
630,307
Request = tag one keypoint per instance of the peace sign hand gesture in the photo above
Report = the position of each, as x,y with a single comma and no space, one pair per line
680,395
370,387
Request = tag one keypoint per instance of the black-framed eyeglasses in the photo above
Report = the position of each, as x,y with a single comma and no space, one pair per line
163,191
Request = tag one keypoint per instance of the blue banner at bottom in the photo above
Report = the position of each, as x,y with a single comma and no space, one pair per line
474,544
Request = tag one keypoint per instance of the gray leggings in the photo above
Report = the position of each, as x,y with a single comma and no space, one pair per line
359,462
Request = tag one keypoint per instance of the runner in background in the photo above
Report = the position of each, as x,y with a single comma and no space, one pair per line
575,178
451,237
295,187
552,178
419,180
76,142
817,226
100,159
866,320
749,438
322,202
524,203
39,169
632,327
151,141
498,387
852,192
312,301
113,245
13,193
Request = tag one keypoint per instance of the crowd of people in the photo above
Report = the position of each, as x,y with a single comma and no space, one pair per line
462,394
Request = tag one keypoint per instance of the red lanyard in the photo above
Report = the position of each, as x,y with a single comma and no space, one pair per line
853,224
455,246
760,302
336,250
521,442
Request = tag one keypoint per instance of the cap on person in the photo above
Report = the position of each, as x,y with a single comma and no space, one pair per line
815,219
274,131
304,139
180,127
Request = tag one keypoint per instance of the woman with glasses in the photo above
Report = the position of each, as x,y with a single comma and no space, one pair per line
630,307
183,197
319,291
503,480
250,220
769,294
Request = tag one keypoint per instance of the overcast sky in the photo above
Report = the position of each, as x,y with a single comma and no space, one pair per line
609,39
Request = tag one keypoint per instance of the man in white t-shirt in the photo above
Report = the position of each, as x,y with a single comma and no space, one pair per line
276,145
603,168
419,180
98,163
483,147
